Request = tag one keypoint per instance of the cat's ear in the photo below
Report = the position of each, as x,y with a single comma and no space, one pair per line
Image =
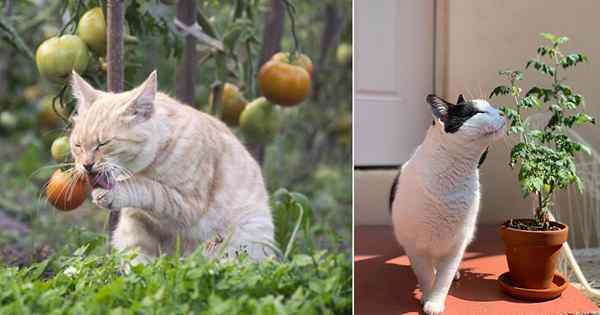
439,107
141,107
461,99
83,92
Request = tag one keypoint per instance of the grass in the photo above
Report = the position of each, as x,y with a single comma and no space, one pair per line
86,282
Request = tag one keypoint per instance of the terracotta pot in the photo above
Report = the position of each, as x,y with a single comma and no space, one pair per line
532,256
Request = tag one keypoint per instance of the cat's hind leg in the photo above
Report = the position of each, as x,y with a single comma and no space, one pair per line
135,231
447,270
422,265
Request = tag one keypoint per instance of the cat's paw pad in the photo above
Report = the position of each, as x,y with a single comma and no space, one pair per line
433,308
104,198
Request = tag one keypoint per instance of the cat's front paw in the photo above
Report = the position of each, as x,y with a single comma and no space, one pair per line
433,308
105,198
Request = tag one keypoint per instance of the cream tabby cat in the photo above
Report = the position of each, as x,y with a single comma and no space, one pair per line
171,170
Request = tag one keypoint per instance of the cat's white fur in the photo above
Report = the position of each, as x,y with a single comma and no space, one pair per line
178,172
437,201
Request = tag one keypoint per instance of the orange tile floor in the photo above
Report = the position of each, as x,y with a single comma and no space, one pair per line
385,283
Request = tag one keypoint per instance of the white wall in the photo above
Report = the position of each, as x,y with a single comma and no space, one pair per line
477,38
394,71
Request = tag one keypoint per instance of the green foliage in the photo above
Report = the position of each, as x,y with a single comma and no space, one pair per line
291,211
85,283
545,156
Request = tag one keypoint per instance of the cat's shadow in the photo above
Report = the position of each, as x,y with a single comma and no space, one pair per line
386,284
479,287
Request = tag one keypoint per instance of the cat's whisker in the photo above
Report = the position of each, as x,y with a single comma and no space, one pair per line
468,91
481,96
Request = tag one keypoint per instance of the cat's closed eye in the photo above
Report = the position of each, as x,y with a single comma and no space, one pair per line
101,144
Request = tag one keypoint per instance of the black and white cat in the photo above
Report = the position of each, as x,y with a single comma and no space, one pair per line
435,198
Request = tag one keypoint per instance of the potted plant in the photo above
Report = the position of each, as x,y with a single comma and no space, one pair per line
545,159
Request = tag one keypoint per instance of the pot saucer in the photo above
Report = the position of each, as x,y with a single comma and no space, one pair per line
559,284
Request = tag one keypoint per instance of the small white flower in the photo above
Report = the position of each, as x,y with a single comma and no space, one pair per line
71,271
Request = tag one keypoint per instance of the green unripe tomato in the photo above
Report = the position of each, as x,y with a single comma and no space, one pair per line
92,30
260,121
58,56
60,149
343,53
547,188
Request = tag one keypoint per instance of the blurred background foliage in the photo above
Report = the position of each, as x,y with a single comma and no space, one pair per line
311,152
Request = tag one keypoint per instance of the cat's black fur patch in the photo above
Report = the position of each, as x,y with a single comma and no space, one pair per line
483,156
452,115
457,115
393,191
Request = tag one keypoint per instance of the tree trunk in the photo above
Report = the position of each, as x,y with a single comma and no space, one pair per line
186,13
4,60
331,32
273,31
272,35
114,55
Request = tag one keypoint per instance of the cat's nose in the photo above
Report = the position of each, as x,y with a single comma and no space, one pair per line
89,167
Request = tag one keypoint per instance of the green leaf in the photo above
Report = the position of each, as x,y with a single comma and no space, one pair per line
500,90
583,118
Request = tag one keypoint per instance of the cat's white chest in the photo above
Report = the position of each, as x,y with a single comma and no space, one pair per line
435,212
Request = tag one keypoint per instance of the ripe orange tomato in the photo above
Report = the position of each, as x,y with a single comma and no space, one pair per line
301,60
283,83
65,191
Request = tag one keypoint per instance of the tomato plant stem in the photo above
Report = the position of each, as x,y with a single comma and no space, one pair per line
291,11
